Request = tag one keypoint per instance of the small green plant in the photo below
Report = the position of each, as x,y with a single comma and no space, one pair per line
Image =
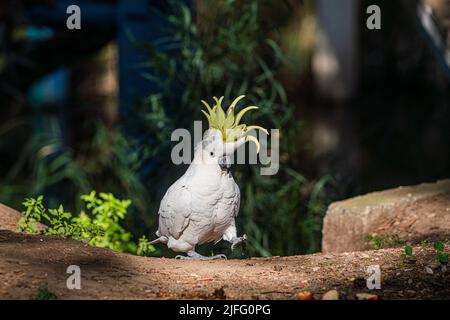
100,227
44,294
441,256
32,215
62,223
58,221
408,250
438,246
107,211
424,243
144,247
377,241
407,254
385,241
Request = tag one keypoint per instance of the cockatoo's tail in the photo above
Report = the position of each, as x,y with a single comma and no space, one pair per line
233,133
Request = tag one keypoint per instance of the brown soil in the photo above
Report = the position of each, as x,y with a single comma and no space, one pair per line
28,263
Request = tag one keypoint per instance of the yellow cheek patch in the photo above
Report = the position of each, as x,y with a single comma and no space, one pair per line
229,123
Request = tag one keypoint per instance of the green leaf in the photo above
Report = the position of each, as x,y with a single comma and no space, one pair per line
438,246
442,257
408,251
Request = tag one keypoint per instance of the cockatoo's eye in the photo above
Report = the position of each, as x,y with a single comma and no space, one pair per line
212,154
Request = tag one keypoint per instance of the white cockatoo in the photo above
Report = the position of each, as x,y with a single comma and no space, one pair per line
202,205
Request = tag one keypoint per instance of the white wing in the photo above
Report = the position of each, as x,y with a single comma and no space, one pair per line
175,210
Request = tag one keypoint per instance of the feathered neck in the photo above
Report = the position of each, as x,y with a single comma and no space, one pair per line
200,166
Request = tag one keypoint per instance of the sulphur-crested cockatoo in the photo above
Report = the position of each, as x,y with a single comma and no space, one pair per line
202,205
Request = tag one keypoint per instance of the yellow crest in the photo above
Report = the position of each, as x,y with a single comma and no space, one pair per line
229,123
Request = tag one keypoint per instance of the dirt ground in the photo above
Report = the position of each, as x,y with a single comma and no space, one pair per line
29,262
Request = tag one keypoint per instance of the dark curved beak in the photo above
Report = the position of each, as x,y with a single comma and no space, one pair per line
225,162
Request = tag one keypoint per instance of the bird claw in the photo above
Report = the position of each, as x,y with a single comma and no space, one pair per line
196,256
219,256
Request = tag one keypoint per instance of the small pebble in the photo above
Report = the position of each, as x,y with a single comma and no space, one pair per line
367,296
331,295
277,268
305,295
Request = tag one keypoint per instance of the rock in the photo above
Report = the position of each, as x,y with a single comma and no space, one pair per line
8,218
411,213
429,270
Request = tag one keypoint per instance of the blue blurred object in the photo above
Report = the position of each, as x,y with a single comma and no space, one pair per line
35,33
52,89
49,97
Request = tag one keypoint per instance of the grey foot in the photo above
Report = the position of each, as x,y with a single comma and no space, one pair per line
238,241
192,255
